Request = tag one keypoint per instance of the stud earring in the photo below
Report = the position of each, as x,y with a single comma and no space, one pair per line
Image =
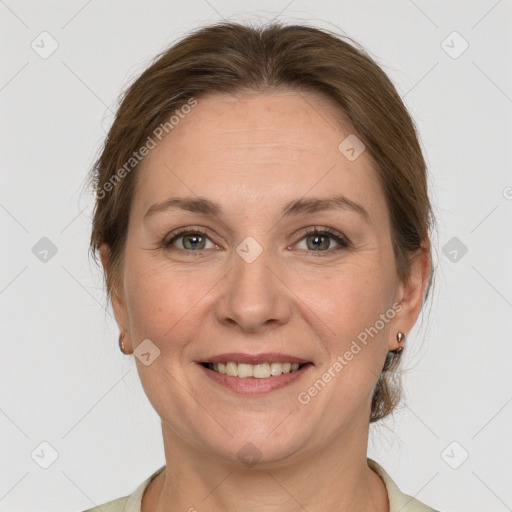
121,342
400,337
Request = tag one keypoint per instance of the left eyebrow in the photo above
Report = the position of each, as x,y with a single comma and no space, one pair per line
202,205
320,204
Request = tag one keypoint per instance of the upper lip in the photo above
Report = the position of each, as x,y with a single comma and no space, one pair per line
268,357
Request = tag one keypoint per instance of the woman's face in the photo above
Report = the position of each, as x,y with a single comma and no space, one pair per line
248,280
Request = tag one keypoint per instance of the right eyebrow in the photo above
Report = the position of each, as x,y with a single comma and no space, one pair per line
191,204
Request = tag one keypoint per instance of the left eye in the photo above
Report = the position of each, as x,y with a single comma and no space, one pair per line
320,241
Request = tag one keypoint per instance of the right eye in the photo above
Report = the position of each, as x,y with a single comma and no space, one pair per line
191,240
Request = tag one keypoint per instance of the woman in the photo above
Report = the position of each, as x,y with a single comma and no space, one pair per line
263,221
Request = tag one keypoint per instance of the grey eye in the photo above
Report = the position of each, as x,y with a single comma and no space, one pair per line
318,242
321,241
190,241
194,241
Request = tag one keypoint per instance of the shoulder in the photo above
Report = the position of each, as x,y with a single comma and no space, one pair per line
118,505
130,503
398,501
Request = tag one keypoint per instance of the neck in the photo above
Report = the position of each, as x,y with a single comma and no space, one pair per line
336,479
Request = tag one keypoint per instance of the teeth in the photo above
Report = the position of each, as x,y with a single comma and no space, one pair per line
261,371
231,369
245,370
286,367
257,371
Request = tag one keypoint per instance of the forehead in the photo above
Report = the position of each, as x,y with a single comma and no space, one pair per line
293,121
269,147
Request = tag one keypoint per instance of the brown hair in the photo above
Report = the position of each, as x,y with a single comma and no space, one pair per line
230,58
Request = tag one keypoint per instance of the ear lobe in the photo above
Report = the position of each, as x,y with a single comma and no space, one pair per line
412,292
117,302
414,288
105,256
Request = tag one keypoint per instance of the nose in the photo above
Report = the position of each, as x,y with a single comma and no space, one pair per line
255,297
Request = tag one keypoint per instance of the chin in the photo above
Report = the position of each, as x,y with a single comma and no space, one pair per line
260,448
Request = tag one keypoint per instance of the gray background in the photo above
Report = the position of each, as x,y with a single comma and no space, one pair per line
64,381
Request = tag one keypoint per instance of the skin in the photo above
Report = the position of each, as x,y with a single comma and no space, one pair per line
252,154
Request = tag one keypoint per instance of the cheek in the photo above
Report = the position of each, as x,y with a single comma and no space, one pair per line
354,295
163,301
355,306
156,300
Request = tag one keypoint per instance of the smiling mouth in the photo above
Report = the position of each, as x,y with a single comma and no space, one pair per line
256,371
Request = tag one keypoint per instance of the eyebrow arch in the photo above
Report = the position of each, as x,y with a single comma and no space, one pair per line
201,205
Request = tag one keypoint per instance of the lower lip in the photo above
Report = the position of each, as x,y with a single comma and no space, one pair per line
252,385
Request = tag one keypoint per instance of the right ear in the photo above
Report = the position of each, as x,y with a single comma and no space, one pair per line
118,304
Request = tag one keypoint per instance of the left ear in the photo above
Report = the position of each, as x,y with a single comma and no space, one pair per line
410,294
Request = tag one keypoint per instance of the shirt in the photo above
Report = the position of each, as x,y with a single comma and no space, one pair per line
398,501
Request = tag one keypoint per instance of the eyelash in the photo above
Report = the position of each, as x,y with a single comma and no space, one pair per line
340,239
